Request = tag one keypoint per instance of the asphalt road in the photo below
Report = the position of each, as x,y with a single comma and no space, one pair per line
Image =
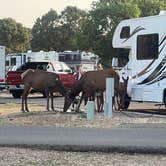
36,98
132,140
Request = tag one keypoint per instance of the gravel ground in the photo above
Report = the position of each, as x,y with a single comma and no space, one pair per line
30,157
34,157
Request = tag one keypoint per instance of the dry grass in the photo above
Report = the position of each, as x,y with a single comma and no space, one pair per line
10,114
10,108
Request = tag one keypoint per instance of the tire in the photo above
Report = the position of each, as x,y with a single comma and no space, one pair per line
16,94
127,102
164,99
118,105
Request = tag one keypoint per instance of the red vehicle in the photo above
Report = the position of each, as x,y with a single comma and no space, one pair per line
15,83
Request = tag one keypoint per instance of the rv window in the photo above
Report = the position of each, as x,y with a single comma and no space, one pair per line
24,58
125,33
62,58
7,62
13,61
147,46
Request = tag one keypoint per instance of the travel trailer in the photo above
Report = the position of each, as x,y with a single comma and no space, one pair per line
146,67
2,67
13,61
74,59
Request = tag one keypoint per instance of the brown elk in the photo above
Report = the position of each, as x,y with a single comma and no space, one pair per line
90,82
41,81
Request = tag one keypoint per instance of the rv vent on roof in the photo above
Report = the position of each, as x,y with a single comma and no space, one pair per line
162,12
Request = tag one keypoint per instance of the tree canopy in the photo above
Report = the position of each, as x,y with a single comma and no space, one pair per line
14,36
57,32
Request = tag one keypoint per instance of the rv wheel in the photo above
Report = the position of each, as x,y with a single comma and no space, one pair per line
165,100
127,102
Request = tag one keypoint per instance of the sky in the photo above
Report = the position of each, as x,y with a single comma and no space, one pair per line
27,11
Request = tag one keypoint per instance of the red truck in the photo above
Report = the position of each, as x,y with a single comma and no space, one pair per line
15,83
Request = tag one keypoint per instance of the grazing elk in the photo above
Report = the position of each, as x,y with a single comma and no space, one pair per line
89,83
41,81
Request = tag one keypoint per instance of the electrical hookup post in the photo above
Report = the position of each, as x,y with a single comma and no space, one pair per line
90,110
109,97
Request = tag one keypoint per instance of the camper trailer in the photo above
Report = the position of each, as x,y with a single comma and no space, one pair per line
2,67
14,60
146,66
74,59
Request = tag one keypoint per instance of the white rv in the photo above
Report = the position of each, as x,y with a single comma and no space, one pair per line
41,56
2,67
74,59
146,68
14,60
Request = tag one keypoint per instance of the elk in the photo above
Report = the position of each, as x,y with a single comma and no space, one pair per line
41,81
89,83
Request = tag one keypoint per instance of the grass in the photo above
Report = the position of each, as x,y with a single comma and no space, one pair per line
10,108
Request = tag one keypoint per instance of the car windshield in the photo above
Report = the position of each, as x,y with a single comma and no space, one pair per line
65,68
33,65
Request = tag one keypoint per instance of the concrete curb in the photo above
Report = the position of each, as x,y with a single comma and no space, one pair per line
91,148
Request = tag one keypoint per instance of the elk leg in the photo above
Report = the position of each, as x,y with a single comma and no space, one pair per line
47,95
79,103
52,101
101,102
98,103
24,98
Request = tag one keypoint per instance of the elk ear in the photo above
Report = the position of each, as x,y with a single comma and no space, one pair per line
125,79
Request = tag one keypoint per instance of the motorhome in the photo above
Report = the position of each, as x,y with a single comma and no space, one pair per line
2,67
146,39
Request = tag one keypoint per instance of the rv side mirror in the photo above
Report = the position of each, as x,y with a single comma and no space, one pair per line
115,62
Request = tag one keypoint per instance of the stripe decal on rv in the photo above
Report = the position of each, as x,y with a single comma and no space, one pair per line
136,30
162,40
145,70
154,74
